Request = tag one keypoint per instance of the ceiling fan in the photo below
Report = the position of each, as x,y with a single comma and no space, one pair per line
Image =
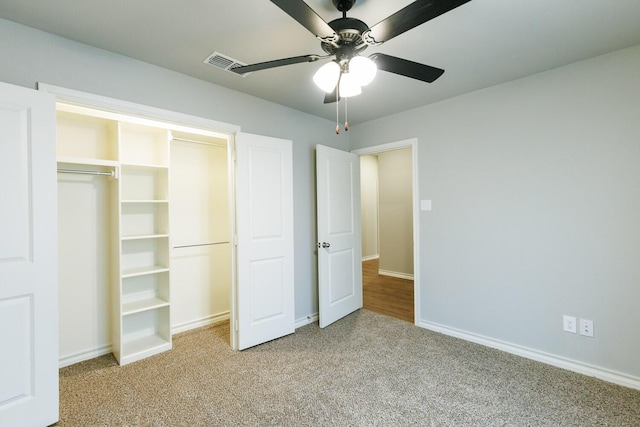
345,38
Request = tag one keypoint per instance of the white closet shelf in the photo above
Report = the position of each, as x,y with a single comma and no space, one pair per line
145,201
143,347
141,271
87,161
138,306
145,236
143,166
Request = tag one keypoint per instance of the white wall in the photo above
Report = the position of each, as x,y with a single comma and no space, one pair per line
369,205
536,198
396,212
84,269
31,56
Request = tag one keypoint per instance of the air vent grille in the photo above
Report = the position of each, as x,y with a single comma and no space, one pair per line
224,62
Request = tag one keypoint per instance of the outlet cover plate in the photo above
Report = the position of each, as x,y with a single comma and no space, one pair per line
569,324
586,327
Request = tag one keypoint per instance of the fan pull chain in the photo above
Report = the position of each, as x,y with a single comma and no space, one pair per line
346,114
337,116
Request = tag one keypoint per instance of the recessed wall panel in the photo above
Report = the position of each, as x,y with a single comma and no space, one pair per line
16,337
340,217
341,272
267,289
15,218
266,194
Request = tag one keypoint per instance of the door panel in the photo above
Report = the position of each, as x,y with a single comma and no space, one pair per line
28,258
339,245
264,206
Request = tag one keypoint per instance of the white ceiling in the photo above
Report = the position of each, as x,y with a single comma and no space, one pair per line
479,44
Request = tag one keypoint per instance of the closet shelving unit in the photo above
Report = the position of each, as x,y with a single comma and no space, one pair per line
144,316
137,157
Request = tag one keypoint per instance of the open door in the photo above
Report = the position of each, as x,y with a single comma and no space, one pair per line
28,258
264,211
339,245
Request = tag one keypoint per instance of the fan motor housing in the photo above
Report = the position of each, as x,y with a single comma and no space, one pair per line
350,31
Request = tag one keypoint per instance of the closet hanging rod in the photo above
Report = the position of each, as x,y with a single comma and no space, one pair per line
87,172
213,144
200,244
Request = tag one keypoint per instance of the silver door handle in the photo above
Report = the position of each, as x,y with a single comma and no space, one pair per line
325,244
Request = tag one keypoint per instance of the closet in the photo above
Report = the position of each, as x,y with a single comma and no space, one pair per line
118,248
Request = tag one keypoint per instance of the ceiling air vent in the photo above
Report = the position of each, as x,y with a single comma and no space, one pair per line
224,62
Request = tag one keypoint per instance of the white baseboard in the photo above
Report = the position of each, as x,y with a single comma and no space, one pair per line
370,257
539,356
306,320
395,274
84,355
205,321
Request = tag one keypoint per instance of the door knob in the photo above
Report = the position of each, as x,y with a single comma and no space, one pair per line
325,244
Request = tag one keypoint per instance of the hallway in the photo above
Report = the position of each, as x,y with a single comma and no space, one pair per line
386,295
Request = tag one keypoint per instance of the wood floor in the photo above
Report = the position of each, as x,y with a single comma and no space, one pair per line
386,295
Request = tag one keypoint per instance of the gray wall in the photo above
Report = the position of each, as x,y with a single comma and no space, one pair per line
536,204
369,205
396,212
30,56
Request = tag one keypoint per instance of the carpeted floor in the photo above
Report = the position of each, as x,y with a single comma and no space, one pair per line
365,370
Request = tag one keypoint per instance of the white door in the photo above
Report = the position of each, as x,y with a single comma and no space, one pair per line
339,245
28,259
264,211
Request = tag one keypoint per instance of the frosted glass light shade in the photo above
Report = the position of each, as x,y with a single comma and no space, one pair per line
363,68
326,78
349,86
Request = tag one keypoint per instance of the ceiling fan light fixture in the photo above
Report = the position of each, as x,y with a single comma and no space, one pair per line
364,69
326,78
349,85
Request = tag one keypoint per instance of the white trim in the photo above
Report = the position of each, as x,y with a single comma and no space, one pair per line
312,318
395,274
413,144
198,323
116,106
84,355
370,257
539,356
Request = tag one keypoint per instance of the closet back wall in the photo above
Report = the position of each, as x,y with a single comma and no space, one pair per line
84,241
200,232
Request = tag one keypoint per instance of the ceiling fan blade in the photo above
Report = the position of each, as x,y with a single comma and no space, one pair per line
406,68
308,18
244,69
415,14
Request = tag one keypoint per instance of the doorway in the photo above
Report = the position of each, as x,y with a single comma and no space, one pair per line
390,243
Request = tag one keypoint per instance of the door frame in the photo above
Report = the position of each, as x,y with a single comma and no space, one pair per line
411,143
174,120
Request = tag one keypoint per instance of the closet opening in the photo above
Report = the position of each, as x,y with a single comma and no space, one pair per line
145,226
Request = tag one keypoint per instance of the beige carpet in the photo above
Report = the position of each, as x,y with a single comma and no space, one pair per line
365,370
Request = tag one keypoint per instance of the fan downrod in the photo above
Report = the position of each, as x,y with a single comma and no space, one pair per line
343,5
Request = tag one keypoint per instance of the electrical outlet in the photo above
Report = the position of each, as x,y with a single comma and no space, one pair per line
586,327
569,324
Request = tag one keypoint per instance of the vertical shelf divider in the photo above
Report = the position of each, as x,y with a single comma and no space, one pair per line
142,325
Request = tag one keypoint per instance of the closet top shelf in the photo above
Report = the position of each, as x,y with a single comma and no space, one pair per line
145,201
143,166
86,161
